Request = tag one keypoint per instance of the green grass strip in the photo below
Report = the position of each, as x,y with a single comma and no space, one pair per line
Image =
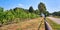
54,25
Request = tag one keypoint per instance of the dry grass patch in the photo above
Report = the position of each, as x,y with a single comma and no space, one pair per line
26,25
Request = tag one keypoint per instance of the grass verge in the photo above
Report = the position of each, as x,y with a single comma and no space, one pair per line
54,25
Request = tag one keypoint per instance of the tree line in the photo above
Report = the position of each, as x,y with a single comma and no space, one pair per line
56,13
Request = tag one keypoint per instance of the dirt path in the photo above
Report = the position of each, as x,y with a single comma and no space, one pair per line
26,25
57,20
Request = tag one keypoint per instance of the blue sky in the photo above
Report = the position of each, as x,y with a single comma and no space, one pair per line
51,5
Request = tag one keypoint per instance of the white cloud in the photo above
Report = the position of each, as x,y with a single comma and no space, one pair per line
20,5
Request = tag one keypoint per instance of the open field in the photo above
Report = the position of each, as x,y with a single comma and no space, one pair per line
26,25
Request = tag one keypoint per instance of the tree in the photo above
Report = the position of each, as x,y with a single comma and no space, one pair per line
56,13
41,7
37,11
1,9
47,13
31,10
